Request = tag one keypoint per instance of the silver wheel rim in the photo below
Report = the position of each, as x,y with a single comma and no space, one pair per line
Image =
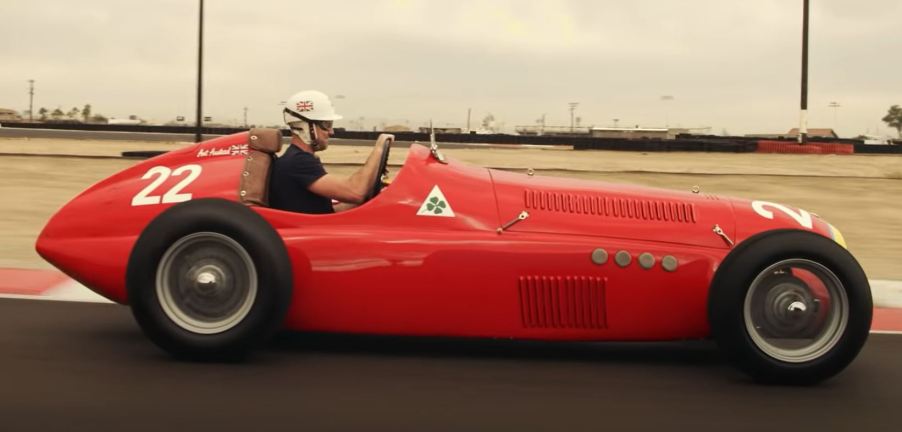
206,283
796,310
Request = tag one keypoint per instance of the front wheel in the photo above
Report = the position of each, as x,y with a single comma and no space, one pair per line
209,279
790,307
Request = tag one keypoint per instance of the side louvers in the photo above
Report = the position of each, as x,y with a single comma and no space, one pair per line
562,302
621,208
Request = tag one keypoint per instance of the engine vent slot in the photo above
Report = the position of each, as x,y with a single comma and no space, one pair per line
598,205
563,302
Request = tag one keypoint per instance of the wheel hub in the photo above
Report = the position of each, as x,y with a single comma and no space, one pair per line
787,309
207,279
206,283
796,310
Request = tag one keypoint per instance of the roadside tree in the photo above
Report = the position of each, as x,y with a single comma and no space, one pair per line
488,122
43,113
57,114
893,119
86,112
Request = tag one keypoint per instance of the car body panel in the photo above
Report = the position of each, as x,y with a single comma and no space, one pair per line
396,265
434,283
90,238
759,216
580,207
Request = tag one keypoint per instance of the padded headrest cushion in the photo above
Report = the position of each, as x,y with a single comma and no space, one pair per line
265,140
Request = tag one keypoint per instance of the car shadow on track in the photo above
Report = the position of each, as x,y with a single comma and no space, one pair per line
89,331
695,353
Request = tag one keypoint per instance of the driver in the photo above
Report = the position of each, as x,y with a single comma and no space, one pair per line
298,182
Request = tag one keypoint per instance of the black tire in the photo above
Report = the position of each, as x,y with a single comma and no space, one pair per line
142,154
741,342
217,226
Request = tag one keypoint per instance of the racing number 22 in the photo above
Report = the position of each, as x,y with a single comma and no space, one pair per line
801,216
162,173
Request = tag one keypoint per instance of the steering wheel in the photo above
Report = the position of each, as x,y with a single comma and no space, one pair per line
386,141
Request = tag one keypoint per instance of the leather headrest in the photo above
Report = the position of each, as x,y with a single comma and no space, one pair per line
265,140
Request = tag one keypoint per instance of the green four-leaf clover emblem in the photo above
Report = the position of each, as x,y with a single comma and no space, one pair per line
436,205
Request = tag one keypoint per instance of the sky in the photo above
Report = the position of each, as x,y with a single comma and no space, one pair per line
732,66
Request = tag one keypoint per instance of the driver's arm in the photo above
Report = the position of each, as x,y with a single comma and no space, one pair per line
352,189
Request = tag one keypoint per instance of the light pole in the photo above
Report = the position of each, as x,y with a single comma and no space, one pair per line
341,97
803,120
573,106
469,110
541,125
245,117
200,73
30,100
665,99
834,105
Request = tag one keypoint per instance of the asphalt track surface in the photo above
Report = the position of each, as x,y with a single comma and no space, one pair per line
80,366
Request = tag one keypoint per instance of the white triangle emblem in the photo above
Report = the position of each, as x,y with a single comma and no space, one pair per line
436,204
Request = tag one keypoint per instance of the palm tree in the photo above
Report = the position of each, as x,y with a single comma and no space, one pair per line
893,119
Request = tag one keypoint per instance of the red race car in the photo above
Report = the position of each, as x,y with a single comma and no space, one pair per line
449,249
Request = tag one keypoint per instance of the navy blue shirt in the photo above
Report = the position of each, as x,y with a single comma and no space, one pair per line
290,180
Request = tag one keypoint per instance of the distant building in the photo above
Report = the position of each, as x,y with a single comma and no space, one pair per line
552,130
442,130
875,140
117,121
794,133
814,133
9,115
396,128
641,133
606,132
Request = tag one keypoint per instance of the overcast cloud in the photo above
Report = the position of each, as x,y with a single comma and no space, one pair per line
730,65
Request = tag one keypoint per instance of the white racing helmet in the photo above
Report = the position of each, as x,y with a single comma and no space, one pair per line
309,105
304,108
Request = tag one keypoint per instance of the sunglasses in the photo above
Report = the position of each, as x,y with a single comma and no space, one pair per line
324,125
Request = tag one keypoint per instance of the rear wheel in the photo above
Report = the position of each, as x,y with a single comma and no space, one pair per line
787,319
209,279
790,307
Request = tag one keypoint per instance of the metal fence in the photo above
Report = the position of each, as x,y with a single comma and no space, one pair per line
683,142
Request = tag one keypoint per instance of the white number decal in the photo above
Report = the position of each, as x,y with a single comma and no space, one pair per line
802,216
173,195
142,198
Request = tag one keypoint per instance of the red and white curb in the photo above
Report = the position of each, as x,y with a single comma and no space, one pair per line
44,285
887,294
55,286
